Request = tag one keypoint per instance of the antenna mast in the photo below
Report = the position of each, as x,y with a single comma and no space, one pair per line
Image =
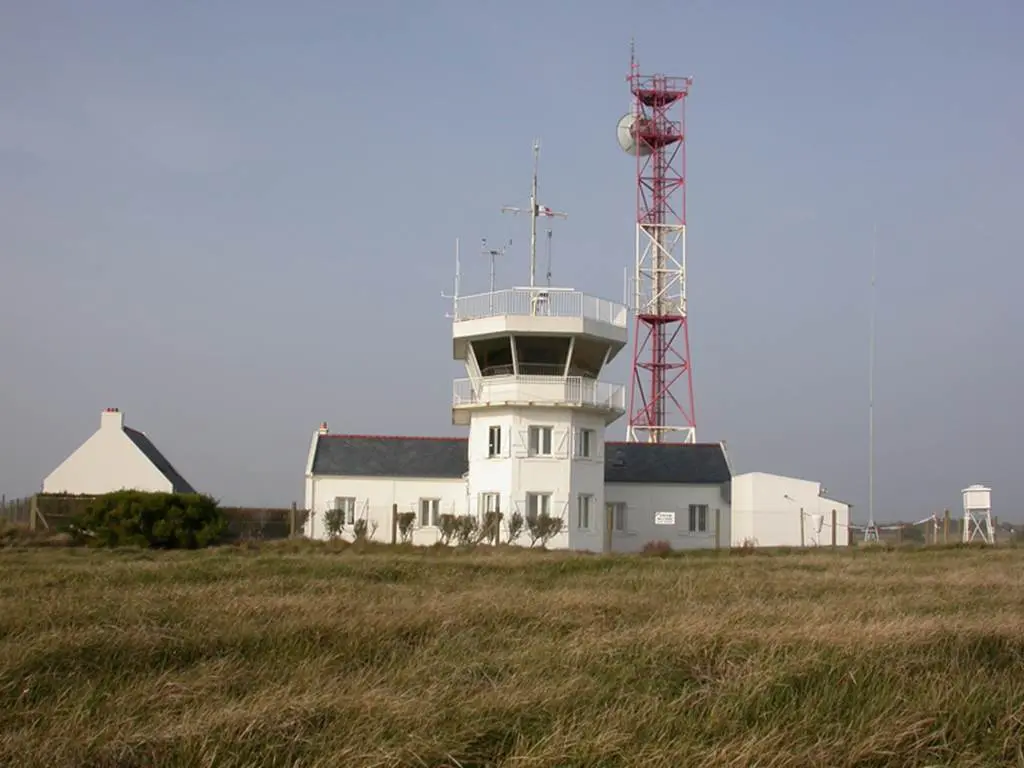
661,402
492,253
871,532
535,210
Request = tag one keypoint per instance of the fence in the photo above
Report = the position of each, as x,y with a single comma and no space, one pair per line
48,512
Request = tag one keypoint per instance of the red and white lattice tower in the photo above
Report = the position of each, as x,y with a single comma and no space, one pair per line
661,406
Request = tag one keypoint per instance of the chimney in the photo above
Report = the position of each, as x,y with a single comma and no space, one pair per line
323,428
113,418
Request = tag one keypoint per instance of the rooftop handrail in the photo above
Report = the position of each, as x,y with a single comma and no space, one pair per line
543,302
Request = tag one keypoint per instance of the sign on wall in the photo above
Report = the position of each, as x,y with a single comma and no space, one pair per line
664,518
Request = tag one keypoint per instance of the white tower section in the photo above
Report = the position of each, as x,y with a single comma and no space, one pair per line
536,405
978,515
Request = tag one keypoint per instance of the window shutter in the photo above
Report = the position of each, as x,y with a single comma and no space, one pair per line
521,447
561,448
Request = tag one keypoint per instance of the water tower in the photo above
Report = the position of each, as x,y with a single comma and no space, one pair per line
977,523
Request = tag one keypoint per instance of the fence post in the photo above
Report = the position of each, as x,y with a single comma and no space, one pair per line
833,529
718,528
394,523
802,527
291,521
945,528
33,513
995,527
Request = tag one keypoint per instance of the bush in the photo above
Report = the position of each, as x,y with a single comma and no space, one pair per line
543,528
334,522
657,549
158,520
406,520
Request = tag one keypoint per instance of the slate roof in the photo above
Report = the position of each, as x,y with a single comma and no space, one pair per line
178,483
447,457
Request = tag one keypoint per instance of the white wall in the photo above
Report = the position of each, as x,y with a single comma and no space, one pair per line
108,461
644,501
768,509
514,474
375,497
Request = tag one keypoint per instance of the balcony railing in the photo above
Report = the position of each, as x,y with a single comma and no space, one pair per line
540,302
546,390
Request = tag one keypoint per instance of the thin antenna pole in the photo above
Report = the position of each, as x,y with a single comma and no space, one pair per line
458,277
549,233
871,534
533,214
492,253
535,211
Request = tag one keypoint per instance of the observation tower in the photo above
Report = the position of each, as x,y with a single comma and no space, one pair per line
533,397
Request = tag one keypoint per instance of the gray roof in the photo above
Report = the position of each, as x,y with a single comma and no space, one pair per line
665,463
178,483
447,457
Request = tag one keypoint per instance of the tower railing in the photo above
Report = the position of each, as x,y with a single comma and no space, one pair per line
547,390
540,302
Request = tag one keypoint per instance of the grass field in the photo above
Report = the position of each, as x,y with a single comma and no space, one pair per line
295,655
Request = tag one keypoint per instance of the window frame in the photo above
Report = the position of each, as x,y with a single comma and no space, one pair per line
540,440
544,508
584,508
494,441
432,507
346,504
585,439
698,518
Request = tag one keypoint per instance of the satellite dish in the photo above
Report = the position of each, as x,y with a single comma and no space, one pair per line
626,134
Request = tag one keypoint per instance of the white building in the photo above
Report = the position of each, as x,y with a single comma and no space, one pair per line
116,457
537,411
777,511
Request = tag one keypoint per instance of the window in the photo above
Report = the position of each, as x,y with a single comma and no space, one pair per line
617,511
537,504
540,441
698,518
346,504
493,442
583,504
430,512
585,444
490,502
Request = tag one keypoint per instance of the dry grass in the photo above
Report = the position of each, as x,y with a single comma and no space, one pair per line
292,655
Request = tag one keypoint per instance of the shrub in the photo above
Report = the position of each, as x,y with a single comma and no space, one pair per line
543,528
490,531
515,526
448,525
467,530
657,549
159,520
334,522
405,523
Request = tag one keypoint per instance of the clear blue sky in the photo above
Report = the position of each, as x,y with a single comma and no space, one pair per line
234,220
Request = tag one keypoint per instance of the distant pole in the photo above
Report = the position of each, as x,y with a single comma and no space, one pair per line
871,532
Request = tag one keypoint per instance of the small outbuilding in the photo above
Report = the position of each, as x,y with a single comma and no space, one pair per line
778,511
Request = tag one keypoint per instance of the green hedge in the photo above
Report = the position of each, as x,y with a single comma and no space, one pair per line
158,520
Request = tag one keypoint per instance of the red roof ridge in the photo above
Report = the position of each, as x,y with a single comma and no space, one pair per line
394,437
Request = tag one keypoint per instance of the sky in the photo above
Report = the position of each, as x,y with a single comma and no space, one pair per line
234,220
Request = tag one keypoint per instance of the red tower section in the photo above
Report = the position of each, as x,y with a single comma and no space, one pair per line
661,402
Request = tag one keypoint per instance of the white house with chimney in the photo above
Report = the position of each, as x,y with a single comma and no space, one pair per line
115,457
